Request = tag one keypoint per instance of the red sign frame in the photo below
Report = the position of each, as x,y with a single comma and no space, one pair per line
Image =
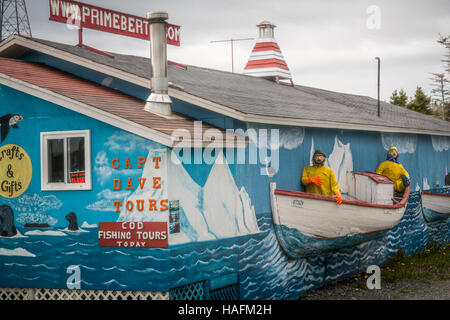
133,234
106,20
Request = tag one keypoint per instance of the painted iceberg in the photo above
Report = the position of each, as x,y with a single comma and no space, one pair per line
227,210
340,160
217,210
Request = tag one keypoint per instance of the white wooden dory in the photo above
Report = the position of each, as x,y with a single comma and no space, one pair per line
438,202
315,217
436,206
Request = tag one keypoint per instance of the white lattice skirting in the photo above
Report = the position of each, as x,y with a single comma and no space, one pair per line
66,294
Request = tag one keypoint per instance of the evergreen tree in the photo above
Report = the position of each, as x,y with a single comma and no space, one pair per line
399,98
420,102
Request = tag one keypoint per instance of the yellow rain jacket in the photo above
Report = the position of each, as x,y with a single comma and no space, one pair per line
329,185
393,171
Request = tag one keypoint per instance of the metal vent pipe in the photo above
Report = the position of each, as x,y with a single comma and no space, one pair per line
159,100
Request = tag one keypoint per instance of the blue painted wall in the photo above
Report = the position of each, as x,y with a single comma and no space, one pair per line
107,143
47,255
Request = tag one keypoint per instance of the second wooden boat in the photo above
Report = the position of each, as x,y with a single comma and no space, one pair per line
435,206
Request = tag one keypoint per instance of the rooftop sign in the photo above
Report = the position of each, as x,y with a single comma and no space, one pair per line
92,17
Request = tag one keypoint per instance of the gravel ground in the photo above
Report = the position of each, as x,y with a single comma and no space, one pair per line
406,289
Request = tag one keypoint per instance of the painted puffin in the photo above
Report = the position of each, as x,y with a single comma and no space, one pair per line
9,120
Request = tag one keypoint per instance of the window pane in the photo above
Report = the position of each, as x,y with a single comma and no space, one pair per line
75,158
55,160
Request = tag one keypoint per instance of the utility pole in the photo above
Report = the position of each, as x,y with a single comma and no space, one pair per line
378,99
232,42
14,19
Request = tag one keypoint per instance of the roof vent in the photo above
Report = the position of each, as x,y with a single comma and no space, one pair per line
159,100
266,59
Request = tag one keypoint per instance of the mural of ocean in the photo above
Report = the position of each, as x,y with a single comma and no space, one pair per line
187,263
264,270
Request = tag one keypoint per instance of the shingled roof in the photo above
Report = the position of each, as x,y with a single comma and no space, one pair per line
259,100
96,101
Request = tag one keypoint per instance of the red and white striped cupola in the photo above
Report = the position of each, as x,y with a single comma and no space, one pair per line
266,59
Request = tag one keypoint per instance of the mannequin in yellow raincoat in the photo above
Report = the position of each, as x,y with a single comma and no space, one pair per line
394,171
320,179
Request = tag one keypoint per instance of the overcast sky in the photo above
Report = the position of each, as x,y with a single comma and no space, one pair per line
327,44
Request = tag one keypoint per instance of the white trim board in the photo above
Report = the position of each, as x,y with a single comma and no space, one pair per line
85,109
73,58
104,116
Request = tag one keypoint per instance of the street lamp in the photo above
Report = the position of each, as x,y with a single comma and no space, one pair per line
378,102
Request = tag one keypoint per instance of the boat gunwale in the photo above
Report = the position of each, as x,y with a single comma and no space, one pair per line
371,175
300,194
436,194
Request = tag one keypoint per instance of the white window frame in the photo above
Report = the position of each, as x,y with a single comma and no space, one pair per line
61,186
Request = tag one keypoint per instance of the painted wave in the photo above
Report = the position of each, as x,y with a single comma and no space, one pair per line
264,269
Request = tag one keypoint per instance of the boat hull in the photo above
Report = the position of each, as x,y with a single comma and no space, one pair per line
308,224
297,245
435,206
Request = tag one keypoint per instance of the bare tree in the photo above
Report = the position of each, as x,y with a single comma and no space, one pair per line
440,82
440,92
445,41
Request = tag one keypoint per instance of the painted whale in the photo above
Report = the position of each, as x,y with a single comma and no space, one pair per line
73,223
7,227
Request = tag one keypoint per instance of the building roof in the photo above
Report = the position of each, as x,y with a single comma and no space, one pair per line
247,98
94,100
265,22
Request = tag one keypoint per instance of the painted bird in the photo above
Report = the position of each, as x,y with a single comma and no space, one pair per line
270,171
9,120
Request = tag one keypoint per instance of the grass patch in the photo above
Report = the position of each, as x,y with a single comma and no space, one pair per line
433,263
